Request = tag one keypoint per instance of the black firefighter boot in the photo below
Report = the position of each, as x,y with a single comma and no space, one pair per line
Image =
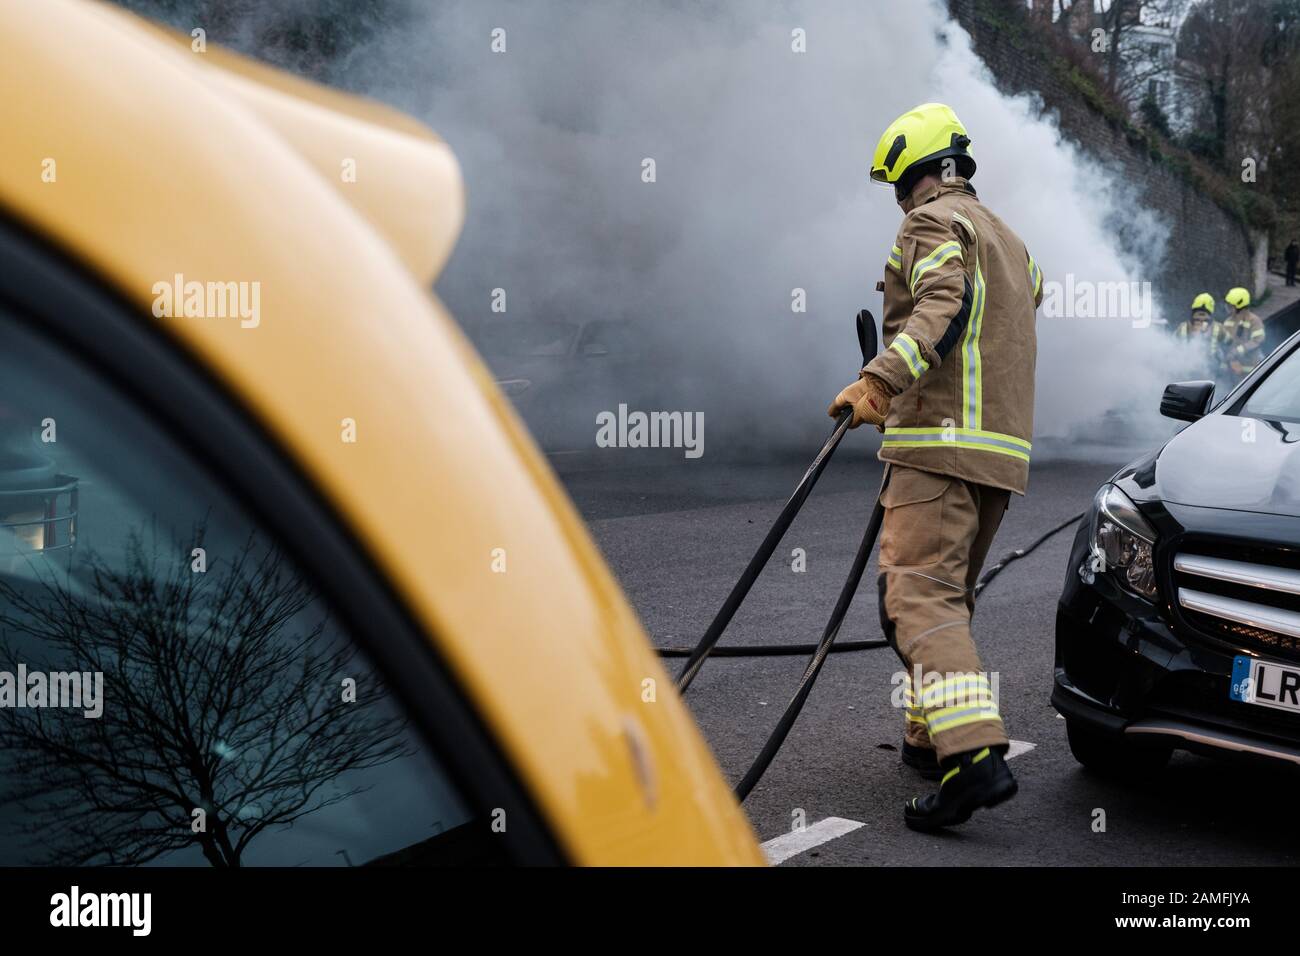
971,780
921,759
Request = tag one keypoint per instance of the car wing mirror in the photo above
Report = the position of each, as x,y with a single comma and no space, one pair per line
1186,401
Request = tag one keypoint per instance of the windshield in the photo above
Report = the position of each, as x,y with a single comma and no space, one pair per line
1278,396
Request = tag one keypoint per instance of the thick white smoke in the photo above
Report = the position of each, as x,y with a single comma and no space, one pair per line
1096,373
761,156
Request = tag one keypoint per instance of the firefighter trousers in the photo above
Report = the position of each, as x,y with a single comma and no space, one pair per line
936,534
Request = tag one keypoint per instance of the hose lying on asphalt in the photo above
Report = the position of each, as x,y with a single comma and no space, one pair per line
700,651
845,647
801,692
1011,556
696,656
826,645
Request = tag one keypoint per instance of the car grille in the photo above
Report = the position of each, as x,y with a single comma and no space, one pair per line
1250,599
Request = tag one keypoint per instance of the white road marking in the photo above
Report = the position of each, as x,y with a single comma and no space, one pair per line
1019,747
779,849
787,845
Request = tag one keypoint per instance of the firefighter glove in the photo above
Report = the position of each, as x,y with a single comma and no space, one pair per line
869,397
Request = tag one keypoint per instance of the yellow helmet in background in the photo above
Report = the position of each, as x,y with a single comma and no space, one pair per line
922,135
1238,298
1205,302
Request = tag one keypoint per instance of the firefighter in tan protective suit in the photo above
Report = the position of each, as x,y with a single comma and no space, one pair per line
1201,331
954,392
1243,337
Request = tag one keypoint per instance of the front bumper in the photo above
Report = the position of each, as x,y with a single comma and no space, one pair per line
1122,668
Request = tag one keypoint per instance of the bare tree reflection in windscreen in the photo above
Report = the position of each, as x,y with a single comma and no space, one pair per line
224,691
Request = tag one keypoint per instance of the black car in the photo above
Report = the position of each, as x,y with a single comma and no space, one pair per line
1179,624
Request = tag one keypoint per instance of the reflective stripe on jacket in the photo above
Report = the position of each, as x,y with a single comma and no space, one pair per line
961,291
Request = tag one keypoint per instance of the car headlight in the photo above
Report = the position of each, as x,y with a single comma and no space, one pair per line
1122,543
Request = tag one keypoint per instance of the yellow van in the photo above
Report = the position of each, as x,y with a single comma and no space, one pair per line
282,578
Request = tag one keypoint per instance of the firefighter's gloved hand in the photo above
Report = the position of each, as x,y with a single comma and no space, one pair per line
869,396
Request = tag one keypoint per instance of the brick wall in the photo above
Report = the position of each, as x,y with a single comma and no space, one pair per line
1209,248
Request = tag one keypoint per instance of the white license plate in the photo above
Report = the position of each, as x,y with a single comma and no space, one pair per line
1265,683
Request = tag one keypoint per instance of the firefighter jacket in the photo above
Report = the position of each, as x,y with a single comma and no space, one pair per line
1243,335
1207,334
961,291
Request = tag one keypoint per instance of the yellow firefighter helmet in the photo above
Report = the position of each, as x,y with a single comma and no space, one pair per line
922,135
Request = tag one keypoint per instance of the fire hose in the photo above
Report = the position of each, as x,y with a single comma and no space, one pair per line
707,645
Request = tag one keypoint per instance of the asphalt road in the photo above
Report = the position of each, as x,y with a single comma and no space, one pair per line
679,533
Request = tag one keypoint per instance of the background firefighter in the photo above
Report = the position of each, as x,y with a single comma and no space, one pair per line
1243,336
1201,330
954,392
